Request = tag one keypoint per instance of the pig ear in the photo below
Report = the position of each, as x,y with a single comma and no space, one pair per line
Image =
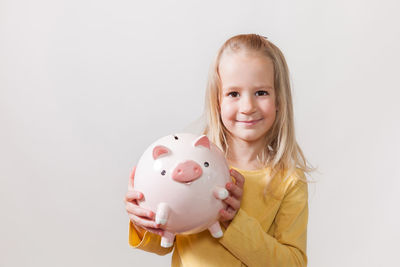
202,141
159,151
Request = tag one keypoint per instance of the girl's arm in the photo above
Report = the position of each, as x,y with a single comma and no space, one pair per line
248,241
145,240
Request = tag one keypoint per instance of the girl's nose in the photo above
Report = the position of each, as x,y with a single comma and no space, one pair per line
247,105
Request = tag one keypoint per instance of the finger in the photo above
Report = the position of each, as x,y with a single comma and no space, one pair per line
239,179
234,190
133,195
143,222
230,209
227,215
233,202
131,178
138,211
156,231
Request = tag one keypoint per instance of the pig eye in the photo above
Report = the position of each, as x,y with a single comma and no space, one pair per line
163,172
176,137
206,164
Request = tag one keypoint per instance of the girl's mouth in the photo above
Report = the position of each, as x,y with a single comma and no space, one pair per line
252,122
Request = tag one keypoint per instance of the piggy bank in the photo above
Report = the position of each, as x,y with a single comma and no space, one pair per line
182,178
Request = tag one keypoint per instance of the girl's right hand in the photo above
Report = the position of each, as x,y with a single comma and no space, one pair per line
139,216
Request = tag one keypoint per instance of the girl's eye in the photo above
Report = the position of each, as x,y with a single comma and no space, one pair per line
262,93
233,94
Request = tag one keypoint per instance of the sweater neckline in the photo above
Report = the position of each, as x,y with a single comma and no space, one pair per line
250,171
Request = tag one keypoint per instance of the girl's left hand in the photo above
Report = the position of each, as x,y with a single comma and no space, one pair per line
233,200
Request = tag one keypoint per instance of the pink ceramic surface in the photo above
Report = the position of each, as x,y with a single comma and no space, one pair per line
183,178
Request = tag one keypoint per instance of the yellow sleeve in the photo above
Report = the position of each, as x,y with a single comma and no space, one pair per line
150,242
246,239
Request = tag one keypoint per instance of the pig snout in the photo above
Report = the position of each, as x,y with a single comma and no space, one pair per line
187,172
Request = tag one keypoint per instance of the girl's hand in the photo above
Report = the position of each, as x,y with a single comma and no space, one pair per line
235,198
139,216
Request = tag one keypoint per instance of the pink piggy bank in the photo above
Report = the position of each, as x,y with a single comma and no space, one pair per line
183,178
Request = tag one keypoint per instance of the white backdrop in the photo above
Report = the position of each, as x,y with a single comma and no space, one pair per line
86,86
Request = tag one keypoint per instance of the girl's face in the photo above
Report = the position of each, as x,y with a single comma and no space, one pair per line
247,99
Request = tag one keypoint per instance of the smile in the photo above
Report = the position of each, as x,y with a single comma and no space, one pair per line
249,122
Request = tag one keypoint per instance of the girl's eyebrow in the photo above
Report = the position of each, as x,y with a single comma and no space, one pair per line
228,88
264,86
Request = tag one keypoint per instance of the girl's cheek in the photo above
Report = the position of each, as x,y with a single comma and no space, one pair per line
227,113
226,118
269,106
227,105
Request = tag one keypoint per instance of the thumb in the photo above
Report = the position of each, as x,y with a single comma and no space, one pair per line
131,178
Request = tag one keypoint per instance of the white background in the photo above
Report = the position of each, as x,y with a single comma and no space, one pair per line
86,86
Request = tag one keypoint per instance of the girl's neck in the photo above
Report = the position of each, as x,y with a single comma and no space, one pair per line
243,154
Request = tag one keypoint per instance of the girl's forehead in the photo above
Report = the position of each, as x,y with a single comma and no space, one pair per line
233,61
246,70
244,53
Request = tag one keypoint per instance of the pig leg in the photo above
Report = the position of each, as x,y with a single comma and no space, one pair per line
162,213
167,240
215,230
220,193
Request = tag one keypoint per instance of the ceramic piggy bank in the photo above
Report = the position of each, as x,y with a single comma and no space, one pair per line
183,178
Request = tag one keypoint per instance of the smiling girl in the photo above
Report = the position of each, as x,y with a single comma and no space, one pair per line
250,117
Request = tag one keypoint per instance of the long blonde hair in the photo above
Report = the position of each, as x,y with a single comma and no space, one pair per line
282,152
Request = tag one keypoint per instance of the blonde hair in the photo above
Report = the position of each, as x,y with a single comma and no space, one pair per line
282,152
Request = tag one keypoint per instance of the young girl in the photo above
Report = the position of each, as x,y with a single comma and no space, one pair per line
250,117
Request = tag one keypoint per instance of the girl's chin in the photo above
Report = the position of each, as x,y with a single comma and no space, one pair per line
249,137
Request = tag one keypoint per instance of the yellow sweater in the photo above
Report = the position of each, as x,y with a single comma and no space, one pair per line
266,231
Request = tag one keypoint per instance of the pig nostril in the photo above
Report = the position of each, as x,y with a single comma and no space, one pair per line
179,171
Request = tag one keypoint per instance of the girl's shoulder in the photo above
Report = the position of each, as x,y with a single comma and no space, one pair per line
295,180
286,182
294,176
